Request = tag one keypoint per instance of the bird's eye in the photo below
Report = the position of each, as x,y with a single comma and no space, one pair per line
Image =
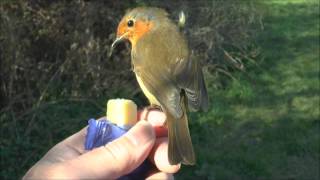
130,23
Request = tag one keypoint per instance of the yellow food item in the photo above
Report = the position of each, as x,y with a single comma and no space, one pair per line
122,112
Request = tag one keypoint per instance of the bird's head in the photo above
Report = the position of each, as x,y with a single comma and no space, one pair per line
137,23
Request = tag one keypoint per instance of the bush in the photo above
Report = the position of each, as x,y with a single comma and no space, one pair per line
53,52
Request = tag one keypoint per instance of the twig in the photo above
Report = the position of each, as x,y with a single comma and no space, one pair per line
237,63
43,94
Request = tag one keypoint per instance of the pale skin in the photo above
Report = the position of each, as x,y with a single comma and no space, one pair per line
147,139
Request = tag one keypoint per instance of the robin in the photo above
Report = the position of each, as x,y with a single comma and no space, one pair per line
165,73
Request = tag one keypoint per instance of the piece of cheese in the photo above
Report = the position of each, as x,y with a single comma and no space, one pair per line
122,112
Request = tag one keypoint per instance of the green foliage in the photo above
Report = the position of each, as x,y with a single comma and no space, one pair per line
263,121
56,50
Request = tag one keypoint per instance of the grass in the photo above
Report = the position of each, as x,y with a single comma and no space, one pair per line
265,127
268,129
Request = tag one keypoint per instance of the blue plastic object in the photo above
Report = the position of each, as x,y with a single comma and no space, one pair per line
102,132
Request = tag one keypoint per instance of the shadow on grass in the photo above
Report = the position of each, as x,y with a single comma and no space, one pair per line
27,144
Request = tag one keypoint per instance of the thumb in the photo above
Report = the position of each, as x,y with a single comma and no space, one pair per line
117,158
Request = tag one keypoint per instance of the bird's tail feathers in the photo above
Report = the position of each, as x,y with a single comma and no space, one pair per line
180,144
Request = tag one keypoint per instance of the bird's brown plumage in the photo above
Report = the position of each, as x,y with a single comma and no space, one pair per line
166,74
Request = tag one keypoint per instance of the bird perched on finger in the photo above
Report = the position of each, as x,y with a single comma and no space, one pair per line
165,73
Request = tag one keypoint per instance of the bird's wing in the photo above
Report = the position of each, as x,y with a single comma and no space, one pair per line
164,90
189,77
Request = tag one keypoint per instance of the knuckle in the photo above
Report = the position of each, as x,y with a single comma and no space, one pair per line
121,152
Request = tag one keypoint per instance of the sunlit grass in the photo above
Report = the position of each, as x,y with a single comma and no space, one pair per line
285,2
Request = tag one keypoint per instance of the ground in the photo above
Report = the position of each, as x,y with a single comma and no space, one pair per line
264,125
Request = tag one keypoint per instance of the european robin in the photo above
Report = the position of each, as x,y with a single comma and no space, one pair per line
165,73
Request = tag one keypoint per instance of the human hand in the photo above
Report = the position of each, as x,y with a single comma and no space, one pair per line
147,139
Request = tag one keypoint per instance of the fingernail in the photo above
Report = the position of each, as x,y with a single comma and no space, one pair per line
141,133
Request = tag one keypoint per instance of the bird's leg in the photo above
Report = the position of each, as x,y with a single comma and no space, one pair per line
156,108
153,107
150,108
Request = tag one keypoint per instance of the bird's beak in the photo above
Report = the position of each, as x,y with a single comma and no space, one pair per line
117,41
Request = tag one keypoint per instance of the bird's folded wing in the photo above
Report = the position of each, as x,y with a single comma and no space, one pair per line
189,77
163,88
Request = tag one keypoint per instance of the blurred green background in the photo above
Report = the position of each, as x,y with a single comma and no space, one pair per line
261,64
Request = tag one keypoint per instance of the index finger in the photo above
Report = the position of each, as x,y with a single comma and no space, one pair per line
157,119
159,153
